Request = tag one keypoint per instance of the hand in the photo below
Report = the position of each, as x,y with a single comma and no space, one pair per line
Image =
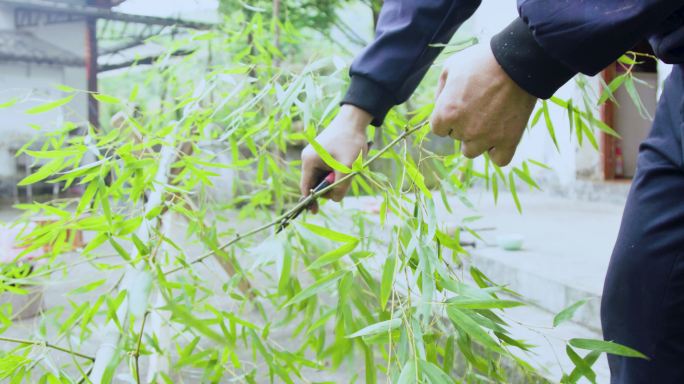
480,105
344,139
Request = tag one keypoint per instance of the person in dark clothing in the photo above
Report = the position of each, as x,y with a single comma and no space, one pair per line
486,103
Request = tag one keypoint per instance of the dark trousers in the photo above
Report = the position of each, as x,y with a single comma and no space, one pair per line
643,296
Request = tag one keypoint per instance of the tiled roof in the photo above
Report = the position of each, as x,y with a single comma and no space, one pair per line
23,46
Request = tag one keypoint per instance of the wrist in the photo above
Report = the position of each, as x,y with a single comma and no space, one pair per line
355,118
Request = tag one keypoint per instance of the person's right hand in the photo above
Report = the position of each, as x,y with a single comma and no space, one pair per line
344,139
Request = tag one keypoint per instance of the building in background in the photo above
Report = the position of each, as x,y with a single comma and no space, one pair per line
47,43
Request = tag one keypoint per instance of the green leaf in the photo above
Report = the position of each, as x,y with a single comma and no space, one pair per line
514,192
468,325
329,233
536,117
434,373
636,98
143,250
377,328
610,90
9,103
576,374
49,106
493,303
606,347
315,288
119,249
47,170
106,98
526,178
549,123
417,177
568,312
583,368
371,371
334,255
154,212
387,281
327,158
408,373
88,287
87,198
357,166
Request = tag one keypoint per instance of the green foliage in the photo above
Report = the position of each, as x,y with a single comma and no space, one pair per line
315,14
350,289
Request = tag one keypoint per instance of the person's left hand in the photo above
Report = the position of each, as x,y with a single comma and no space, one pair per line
480,105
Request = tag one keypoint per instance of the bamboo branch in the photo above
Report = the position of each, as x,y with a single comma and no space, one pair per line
302,204
136,354
47,345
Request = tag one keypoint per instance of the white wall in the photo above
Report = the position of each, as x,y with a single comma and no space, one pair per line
492,17
6,17
68,36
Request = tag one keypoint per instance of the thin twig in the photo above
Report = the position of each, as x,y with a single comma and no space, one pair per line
47,345
302,204
137,349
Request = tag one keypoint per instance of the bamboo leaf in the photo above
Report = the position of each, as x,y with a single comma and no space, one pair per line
327,158
434,373
49,106
606,347
549,124
87,288
567,313
608,93
47,170
329,233
514,192
472,328
9,103
467,303
334,255
582,367
387,282
377,328
408,373
315,288
105,98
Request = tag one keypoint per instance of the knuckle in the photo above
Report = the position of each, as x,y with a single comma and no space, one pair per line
308,156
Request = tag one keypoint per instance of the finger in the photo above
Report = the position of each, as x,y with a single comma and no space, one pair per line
313,207
456,134
502,155
308,179
473,149
338,193
440,84
441,122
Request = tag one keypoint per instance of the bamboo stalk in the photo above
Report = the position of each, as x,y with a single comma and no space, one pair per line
302,204
47,345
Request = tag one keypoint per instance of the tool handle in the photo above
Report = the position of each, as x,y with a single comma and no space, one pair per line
328,181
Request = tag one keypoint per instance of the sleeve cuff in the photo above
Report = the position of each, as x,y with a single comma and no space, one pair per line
369,96
527,63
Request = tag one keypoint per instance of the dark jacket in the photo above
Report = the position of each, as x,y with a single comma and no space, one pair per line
546,46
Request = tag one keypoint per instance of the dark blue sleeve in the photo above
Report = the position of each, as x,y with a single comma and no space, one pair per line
388,71
555,39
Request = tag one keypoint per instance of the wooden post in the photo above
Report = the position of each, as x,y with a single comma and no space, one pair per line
91,70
